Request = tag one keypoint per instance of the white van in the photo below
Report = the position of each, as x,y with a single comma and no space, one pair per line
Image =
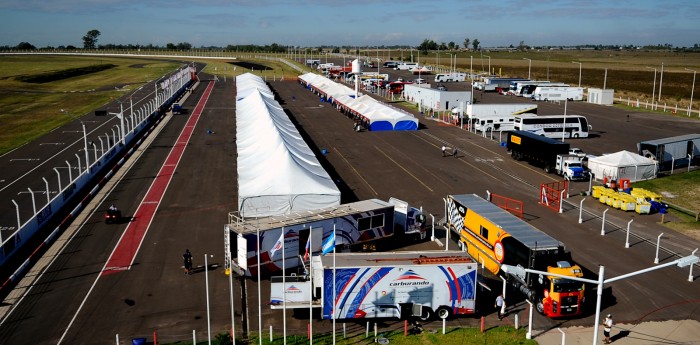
406,66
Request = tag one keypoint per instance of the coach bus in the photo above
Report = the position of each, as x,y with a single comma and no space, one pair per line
551,126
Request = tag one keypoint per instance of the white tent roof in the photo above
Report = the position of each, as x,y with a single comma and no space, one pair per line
277,171
623,164
376,111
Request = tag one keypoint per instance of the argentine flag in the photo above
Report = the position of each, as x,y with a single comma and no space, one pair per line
328,244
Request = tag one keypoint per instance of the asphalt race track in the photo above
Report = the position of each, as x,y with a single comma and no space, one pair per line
73,303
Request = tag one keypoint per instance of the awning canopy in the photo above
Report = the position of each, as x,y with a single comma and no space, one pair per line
378,116
623,165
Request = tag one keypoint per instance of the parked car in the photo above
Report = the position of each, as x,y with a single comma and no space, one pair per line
419,81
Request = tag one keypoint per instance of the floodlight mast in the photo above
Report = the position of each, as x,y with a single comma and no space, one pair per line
682,262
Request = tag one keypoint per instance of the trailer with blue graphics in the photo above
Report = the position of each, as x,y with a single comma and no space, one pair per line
354,223
403,285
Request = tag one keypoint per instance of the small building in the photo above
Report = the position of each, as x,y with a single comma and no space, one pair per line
672,152
601,96
434,99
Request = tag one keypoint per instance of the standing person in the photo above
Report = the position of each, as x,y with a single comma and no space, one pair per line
454,152
444,150
607,327
187,258
500,306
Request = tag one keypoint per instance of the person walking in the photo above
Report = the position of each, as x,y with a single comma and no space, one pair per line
187,259
500,306
444,150
454,152
607,327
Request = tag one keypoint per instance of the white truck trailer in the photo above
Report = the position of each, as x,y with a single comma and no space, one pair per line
557,93
490,111
422,284
450,77
354,223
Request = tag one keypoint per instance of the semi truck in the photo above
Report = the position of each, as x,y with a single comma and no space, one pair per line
491,84
402,285
355,224
494,237
551,154
450,77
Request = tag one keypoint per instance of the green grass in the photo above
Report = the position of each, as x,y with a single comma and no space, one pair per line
462,336
682,189
33,109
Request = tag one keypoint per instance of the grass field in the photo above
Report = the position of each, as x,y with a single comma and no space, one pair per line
462,336
682,190
29,110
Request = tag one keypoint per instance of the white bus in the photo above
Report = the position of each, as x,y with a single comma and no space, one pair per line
552,126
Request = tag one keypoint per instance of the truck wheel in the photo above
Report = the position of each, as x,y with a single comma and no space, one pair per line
540,307
427,314
444,313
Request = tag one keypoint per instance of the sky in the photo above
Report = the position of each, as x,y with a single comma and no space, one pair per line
351,22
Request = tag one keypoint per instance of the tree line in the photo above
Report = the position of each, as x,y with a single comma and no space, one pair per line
90,40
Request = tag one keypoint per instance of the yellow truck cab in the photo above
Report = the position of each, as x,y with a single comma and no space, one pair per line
493,237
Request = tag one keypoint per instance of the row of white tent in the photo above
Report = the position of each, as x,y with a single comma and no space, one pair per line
377,115
277,171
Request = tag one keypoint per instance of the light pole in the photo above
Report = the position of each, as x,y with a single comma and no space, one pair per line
579,72
489,64
566,102
87,163
653,91
529,65
661,80
451,57
520,273
692,90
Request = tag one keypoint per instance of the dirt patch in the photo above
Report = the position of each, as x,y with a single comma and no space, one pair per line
251,66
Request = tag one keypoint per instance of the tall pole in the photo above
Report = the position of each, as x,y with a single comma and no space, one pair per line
121,119
230,289
692,90
311,274
579,71
284,292
599,293
605,78
661,80
206,279
653,91
335,293
87,163
563,130
529,65
259,297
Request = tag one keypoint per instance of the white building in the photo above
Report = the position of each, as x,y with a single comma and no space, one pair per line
601,96
433,99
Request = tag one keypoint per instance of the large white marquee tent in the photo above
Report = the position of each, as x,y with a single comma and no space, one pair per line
277,171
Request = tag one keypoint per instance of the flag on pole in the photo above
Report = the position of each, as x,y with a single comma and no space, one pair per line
328,244
277,246
308,246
